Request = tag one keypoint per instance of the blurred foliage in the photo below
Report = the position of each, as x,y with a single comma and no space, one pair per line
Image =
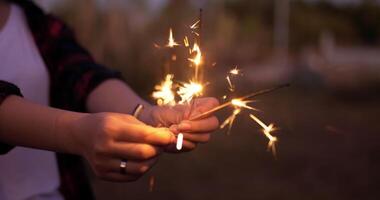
351,24
121,34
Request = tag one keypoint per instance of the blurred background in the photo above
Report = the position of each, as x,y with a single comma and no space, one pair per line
329,50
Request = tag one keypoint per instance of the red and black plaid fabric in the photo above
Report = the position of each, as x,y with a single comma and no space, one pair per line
73,75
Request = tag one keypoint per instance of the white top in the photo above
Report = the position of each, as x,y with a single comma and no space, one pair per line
25,173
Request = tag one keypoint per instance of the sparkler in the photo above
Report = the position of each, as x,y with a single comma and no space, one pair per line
165,93
229,103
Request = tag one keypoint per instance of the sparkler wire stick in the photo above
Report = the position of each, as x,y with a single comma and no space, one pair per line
254,94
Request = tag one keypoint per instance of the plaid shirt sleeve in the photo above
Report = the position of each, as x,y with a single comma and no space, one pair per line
7,89
73,71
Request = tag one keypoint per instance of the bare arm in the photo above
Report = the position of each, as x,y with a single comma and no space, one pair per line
103,139
115,96
27,124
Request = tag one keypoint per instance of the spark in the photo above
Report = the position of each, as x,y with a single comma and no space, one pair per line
242,104
235,71
179,141
267,129
195,25
171,42
230,120
238,105
164,92
189,90
197,60
231,86
186,41
198,57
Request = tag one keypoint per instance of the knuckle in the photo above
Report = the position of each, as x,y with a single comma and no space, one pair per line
214,101
107,123
102,147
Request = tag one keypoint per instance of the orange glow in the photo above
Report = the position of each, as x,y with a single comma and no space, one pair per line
164,92
189,90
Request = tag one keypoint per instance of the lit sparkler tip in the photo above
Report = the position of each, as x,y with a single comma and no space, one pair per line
171,41
179,141
189,90
242,104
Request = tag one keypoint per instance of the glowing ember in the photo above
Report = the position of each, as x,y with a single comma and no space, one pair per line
171,42
198,57
242,104
230,120
231,86
267,129
179,141
164,92
235,71
186,42
195,25
189,90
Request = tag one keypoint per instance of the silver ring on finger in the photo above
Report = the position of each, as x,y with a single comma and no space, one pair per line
123,167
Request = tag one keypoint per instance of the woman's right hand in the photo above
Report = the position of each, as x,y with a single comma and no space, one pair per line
105,139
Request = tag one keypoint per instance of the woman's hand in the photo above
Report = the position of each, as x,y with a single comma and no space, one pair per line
105,139
176,118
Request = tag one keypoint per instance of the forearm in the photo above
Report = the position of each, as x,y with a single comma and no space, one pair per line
115,96
27,124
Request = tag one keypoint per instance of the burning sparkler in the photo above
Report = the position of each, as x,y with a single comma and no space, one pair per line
188,91
166,95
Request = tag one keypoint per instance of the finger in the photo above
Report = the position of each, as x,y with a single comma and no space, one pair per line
204,125
141,133
135,151
132,167
202,105
197,137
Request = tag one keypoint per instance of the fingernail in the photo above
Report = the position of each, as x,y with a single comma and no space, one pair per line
184,126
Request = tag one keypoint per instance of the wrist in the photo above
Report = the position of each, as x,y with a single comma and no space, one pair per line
69,132
147,115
